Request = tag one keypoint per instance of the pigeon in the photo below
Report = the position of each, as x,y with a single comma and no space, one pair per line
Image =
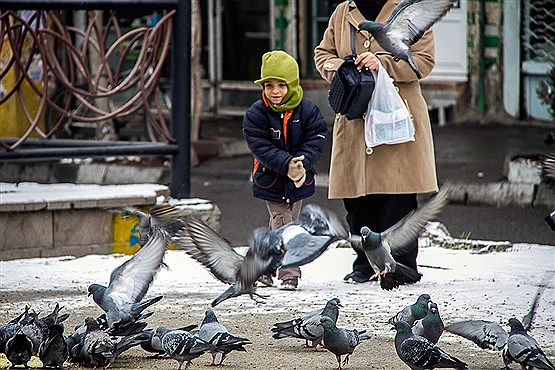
294,244
19,349
154,342
308,327
13,326
161,216
211,331
53,351
418,353
340,341
430,327
381,248
183,346
39,329
517,345
122,299
103,349
548,165
406,25
413,312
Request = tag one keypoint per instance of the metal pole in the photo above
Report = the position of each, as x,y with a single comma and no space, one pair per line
181,101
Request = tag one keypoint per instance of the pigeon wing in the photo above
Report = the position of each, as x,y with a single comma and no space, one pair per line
548,165
210,249
130,281
486,334
528,319
320,221
301,247
262,258
399,236
412,18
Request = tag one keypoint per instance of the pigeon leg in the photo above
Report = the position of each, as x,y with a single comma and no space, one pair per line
346,360
262,297
222,360
213,362
339,367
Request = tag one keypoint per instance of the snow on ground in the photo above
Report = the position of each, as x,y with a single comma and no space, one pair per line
465,285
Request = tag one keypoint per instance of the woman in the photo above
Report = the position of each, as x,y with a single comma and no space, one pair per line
378,187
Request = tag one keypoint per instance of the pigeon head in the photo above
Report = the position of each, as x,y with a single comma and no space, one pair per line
56,329
369,26
161,331
97,291
424,299
370,238
209,316
91,324
516,326
432,307
326,322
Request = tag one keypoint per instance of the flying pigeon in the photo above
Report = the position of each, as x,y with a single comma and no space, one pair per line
294,244
431,326
19,349
308,327
381,248
183,346
161,216
413,312
154,342
53,351
517,345
122,299
548,165
406,25
340,341
419,353
213,332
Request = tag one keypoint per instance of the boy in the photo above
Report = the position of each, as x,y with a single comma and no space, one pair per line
286,134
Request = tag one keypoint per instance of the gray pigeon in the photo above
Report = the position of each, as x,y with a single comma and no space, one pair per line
431,326
294,244
103,349
381,248
183,346
516,346
19,349
53,351
161,216
122,299
340,341
14,325
413,312
308,327
213,332
418,353
406,25
154,342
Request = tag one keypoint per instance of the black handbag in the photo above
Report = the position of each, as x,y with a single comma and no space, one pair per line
351,89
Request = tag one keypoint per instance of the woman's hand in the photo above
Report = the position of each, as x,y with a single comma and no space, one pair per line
367,60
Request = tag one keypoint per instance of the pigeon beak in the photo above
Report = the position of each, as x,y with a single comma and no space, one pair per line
340,305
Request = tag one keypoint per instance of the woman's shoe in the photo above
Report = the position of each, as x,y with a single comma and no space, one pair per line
290,284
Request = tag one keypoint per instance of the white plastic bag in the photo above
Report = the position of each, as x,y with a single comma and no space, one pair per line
387,120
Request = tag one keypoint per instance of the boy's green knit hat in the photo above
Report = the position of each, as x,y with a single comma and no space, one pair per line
279,65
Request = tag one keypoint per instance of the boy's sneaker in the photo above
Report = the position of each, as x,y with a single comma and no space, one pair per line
290,284
357,277
266,280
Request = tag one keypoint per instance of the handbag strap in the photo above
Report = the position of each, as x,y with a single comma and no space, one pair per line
352,36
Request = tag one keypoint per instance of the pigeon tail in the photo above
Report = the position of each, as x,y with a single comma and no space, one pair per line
403,275
414,67
139,307
229,293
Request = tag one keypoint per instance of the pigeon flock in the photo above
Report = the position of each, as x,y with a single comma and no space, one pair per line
124,310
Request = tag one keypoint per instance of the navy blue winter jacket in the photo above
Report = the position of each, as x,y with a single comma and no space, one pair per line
273,145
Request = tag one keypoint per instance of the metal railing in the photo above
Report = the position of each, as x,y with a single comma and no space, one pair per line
80,74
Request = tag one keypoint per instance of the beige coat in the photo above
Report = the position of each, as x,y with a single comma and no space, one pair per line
391,169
